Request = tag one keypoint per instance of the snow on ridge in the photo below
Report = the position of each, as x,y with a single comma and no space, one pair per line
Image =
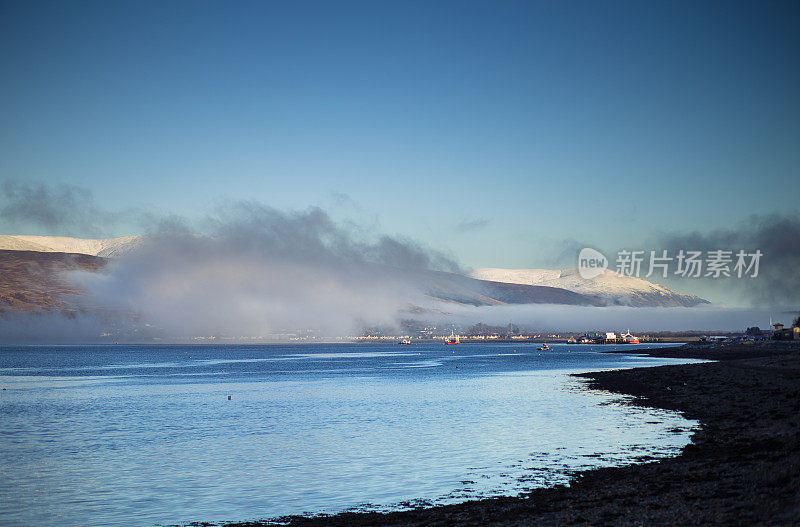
106,247
610,285
516,276
610,282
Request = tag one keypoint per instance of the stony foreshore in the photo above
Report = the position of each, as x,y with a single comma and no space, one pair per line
742,467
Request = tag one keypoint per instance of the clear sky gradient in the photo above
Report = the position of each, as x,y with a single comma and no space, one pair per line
492,130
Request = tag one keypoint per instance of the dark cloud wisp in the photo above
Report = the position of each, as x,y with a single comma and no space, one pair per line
778,239
59,209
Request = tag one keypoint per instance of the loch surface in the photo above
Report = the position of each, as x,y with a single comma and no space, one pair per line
155,435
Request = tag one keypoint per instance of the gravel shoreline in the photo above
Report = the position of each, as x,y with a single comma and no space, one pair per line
742,467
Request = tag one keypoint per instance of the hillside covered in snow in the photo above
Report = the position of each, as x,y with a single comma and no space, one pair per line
105,247
610,287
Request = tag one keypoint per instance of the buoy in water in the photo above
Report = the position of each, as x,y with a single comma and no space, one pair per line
229,397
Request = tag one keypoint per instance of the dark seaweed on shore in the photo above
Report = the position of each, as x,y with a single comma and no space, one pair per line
741,468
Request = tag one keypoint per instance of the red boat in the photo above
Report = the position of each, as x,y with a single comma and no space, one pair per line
452,339
627,338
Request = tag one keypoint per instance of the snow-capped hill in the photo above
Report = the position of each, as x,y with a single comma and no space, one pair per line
610,286
107,247
516,276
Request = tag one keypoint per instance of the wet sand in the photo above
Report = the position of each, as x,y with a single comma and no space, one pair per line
742,467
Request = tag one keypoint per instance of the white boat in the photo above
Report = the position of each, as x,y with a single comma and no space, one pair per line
628,338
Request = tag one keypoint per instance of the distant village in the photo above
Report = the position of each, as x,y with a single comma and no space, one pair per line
416,332
512,333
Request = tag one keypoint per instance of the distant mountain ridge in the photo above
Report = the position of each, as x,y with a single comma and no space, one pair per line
609,287
105,247
461,289
484,287
37,262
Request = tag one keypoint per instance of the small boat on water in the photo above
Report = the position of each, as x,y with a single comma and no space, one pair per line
627,338
543,347
452,339
405,342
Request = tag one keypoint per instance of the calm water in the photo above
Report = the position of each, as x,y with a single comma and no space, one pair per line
146,435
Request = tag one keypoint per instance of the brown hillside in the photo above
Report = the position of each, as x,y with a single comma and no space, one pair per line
31,280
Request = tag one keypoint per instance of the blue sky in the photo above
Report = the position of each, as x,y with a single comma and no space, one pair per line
492,130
